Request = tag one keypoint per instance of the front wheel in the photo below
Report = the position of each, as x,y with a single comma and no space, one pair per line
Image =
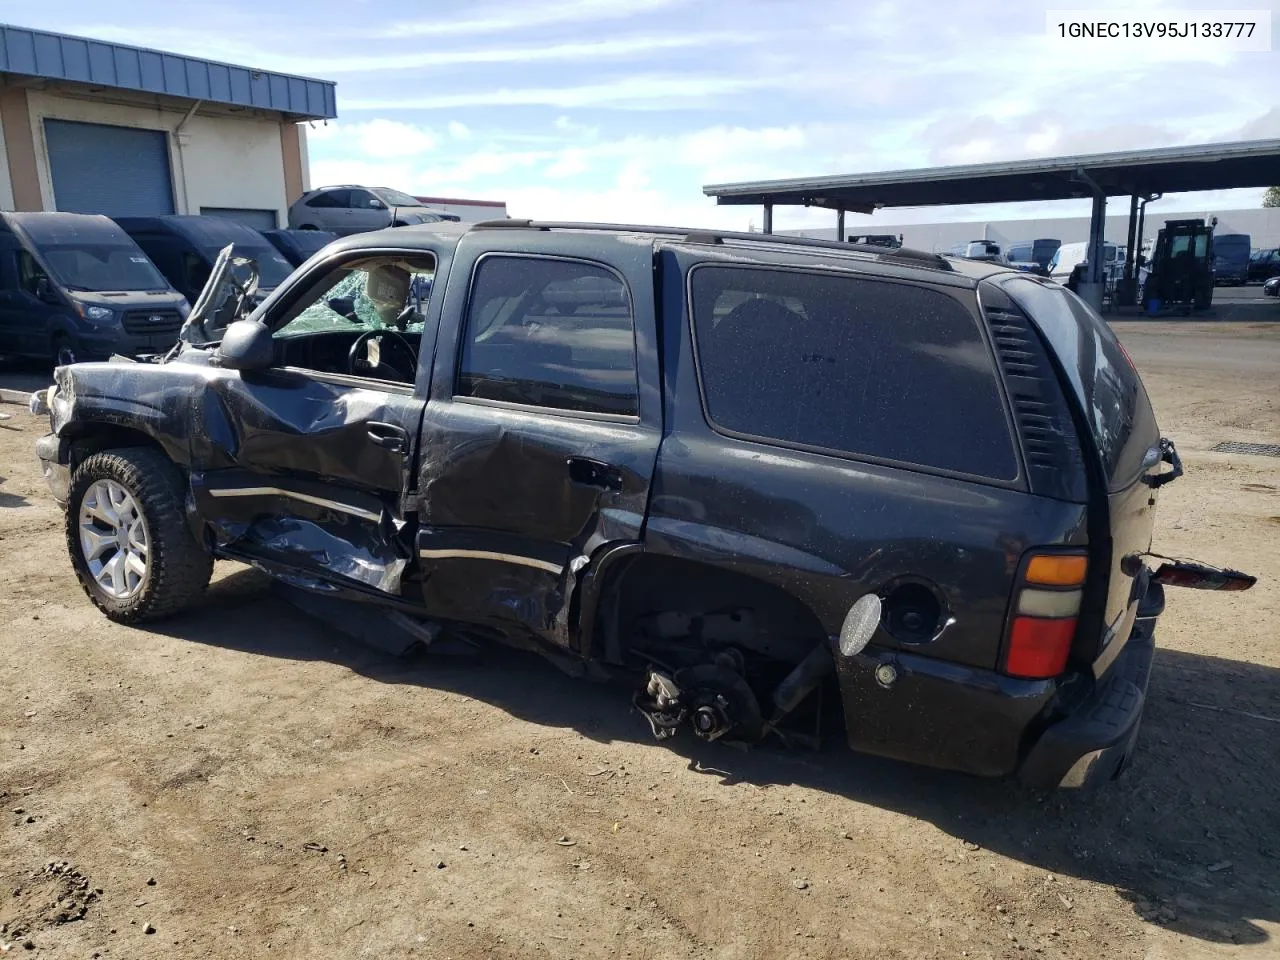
130,546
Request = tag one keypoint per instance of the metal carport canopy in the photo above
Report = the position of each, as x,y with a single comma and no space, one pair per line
1210,166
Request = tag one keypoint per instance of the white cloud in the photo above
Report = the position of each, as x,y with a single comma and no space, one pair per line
613,48
633,177
642,92
571,163
374,138
523,16
459,130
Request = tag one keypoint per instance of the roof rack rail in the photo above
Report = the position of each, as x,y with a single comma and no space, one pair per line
904,255
507,224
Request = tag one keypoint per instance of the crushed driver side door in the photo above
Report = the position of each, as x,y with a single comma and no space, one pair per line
305,466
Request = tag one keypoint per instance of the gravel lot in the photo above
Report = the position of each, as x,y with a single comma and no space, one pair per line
242,782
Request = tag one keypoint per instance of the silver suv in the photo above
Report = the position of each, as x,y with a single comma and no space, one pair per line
354,209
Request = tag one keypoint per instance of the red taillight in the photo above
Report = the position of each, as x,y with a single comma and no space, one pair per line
1038,648
1045,607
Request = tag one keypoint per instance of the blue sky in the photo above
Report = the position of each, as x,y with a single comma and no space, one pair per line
623,109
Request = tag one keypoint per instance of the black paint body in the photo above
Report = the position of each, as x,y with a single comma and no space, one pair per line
524,520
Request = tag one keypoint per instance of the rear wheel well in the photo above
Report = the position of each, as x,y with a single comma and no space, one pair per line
671,604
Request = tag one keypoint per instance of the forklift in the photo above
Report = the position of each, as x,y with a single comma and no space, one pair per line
1180,273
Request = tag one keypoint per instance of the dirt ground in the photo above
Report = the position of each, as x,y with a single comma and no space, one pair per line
242,782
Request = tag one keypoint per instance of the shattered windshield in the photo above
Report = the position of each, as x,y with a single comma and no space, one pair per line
102,268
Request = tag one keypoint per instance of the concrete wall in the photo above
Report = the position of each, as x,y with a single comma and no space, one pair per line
20,151
215,161
1263,227
304,158
6,185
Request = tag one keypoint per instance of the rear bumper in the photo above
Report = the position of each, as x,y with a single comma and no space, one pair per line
1090,746
946,715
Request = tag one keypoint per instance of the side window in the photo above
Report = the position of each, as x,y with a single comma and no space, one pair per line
30,273
360,199
196,271
377,293
330,198
874,368
550,333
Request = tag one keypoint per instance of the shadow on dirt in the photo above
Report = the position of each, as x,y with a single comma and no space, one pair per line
1190,834
11,499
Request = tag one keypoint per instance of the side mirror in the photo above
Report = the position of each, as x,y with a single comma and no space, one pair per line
44,291
247,345
377,204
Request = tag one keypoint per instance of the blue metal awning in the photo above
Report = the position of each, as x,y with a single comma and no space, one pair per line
53,56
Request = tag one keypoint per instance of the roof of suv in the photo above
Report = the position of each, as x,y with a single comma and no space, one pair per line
898,256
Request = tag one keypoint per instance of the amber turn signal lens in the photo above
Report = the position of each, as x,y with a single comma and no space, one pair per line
1057,570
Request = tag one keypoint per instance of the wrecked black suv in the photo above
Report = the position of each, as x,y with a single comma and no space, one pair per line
747,471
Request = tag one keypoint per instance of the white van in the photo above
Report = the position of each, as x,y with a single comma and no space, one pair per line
1071,255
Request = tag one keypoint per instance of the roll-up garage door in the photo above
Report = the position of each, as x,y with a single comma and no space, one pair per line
119,171
258,219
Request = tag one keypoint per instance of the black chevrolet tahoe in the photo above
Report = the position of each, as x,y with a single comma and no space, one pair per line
689,458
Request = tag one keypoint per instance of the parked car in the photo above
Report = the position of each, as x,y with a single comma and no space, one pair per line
1034,251
352,209
1271,288
718,464
185,247
1231,256
985,250
74,287
297,246
1073,258
1263,265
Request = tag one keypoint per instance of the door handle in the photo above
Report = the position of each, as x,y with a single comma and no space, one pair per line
595,473
389,437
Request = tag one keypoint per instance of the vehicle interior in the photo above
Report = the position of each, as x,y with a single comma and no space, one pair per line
364,319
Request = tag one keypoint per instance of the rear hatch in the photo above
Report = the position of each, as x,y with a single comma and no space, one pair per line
1124,452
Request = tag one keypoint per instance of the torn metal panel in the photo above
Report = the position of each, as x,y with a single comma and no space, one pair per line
310,526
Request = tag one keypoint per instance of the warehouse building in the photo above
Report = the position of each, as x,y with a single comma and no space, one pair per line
88,126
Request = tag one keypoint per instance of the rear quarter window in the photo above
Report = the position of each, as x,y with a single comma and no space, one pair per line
1104,380
867,368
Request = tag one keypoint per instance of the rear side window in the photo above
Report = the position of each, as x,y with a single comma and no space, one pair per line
868,368
330,198
550,333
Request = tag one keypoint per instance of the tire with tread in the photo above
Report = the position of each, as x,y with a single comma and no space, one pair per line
178,566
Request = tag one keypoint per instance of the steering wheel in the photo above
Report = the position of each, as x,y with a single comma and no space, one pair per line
398,362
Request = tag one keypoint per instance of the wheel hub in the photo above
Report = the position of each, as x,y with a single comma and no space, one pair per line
114,539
